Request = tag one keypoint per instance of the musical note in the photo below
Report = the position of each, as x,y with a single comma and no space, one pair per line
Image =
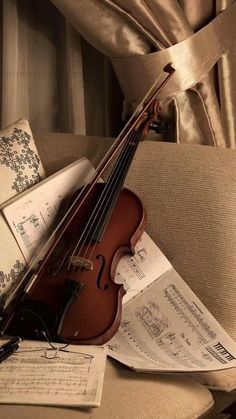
33,215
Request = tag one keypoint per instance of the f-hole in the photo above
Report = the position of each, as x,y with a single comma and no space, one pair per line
100,272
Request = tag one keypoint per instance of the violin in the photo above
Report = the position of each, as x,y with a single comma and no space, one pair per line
69,293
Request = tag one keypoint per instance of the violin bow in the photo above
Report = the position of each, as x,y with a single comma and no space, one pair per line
29,278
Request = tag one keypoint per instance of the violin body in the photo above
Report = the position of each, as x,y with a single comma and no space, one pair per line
69,294
75,297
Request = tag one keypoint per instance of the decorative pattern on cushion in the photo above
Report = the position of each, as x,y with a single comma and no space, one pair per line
20,168
12,262
20,165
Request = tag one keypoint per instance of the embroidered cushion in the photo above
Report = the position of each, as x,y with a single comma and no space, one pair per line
20,165
20,168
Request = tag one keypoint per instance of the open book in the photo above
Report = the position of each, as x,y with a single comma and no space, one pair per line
164,326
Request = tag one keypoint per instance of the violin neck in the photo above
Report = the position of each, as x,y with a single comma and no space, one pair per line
115,183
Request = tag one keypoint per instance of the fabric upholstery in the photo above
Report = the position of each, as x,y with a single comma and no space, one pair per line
127,394
189,193
20,168
20,164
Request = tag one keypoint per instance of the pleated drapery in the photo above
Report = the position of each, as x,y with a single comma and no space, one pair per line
51,76
79,92
196,111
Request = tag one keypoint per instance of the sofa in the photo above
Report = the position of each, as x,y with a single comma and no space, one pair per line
189,193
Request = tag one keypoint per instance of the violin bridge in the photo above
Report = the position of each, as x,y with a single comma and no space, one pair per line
80,262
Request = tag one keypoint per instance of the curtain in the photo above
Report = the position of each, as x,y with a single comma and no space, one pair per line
204,112
56,71
51,76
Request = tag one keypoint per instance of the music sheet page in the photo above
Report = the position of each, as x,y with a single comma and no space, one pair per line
166,328
140,270
33,214
36,374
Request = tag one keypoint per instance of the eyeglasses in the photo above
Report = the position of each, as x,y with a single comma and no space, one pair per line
52,351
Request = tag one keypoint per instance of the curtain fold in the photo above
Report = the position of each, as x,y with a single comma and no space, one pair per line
28,64
227,86
49,73
198,114
70,80
56,68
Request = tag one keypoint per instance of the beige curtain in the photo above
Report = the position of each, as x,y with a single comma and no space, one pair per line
59,81
203,112
51,76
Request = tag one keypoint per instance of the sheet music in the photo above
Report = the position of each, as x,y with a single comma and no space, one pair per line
166,328
33,376
32,215
164,325
138,271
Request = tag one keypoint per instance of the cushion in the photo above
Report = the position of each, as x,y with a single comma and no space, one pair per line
189,193
20,168
127,394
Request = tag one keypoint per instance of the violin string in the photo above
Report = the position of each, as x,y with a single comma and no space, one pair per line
85,233
127,140
108,191
112,190
96,210
98,169
105,196
147,95
40,255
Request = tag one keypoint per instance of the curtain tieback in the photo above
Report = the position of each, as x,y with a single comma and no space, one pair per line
192,59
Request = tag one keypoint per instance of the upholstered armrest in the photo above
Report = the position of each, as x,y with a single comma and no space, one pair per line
189,193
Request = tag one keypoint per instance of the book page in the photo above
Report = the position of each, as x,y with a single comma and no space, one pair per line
33,215
36,374
140,270
166,328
